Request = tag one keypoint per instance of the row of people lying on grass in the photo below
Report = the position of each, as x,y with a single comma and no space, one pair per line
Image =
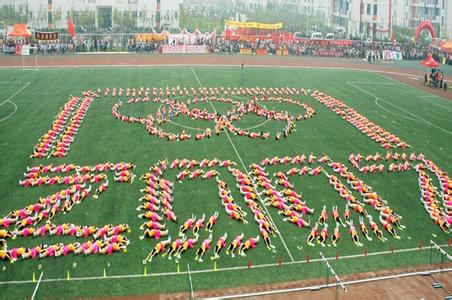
372,130
177,247
35,175
190,164
43,148
352,158
323,235
122,176
38,171
107,246
429,193
57,141
46,208
204,91
207,92
445,185
66,229
298,159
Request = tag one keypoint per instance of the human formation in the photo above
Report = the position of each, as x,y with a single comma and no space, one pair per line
36,219
441,215
170,109
158,210
56,142
373,131
258,188
280,194
181,101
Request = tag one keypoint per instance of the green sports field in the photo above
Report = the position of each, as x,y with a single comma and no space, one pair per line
421,119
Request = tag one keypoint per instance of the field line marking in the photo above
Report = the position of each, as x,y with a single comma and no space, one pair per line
396,106
258,125
13,95
412,87
308,288
9,100
394,113
185,126
218,269
12,113
252,179
383,108
11,82
37,286
426,98
192,296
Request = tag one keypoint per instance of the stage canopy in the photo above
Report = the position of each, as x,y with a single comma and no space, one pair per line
20,30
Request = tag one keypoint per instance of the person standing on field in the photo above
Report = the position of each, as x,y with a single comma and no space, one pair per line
242,74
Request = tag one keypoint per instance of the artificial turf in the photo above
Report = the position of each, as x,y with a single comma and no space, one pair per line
419,118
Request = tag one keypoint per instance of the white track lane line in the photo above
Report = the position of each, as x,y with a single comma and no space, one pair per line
218,269
246,170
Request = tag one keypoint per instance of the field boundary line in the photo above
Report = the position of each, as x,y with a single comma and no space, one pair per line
37,286
402,109
334,284
15,105
237,268
246,170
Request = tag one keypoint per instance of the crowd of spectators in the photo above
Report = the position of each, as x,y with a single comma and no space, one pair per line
116,43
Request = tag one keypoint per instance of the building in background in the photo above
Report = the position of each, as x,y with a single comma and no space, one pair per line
376,18
98,14
353,18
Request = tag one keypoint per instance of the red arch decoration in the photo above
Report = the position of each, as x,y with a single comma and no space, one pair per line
425,25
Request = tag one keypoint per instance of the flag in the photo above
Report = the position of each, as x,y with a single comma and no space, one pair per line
70,27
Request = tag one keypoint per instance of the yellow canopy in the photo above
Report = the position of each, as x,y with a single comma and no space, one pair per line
254,25
447,46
